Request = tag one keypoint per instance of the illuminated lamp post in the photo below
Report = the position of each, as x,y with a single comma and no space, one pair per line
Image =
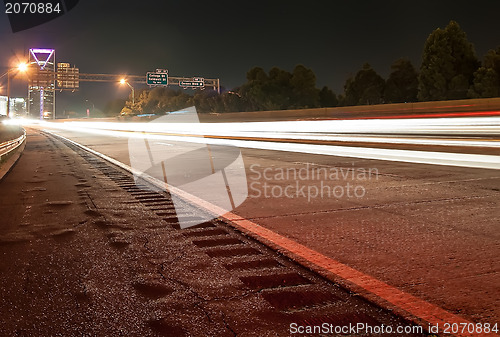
21,67
124,81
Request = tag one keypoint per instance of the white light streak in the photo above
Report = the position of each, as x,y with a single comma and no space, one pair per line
154,132
420,126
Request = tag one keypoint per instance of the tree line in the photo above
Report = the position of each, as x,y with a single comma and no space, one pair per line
449,70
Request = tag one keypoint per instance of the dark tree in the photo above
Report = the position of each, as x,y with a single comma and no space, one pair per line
492,60
159,100
256,74
207,101
402,84
305,93
485,85
233,102
448,65
327,98
279,90
253,92
341,99
367,87
487,78
351,95
135,105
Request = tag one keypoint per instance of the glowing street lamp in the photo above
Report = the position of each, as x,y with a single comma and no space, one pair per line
124,81
21,67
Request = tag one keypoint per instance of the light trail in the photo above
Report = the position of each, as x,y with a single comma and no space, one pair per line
368,131
375,131
422,126
411,156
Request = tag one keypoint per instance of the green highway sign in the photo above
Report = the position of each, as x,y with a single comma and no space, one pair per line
157,78
195,83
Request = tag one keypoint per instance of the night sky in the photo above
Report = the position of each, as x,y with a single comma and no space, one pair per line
224,39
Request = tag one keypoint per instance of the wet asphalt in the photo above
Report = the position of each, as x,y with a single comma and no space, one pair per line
87,252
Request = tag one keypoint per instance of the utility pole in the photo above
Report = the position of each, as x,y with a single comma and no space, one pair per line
8,93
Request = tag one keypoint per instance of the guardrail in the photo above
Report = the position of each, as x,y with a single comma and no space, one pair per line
11,145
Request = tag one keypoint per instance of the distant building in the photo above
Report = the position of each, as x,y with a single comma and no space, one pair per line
3,105
41,87
18,106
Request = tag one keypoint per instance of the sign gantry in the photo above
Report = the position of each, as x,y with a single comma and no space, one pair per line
161,78
44,79
68,78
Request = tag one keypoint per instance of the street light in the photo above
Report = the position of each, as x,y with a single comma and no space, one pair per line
124,81
21,67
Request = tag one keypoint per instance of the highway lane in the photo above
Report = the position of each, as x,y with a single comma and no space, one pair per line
85,251
430,230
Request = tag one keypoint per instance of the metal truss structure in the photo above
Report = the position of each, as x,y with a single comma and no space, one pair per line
177,81
62,76
44,79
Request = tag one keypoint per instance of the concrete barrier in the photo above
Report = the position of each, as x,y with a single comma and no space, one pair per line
433,108
362,111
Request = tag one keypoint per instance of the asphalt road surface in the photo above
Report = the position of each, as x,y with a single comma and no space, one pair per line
429,230
85,251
